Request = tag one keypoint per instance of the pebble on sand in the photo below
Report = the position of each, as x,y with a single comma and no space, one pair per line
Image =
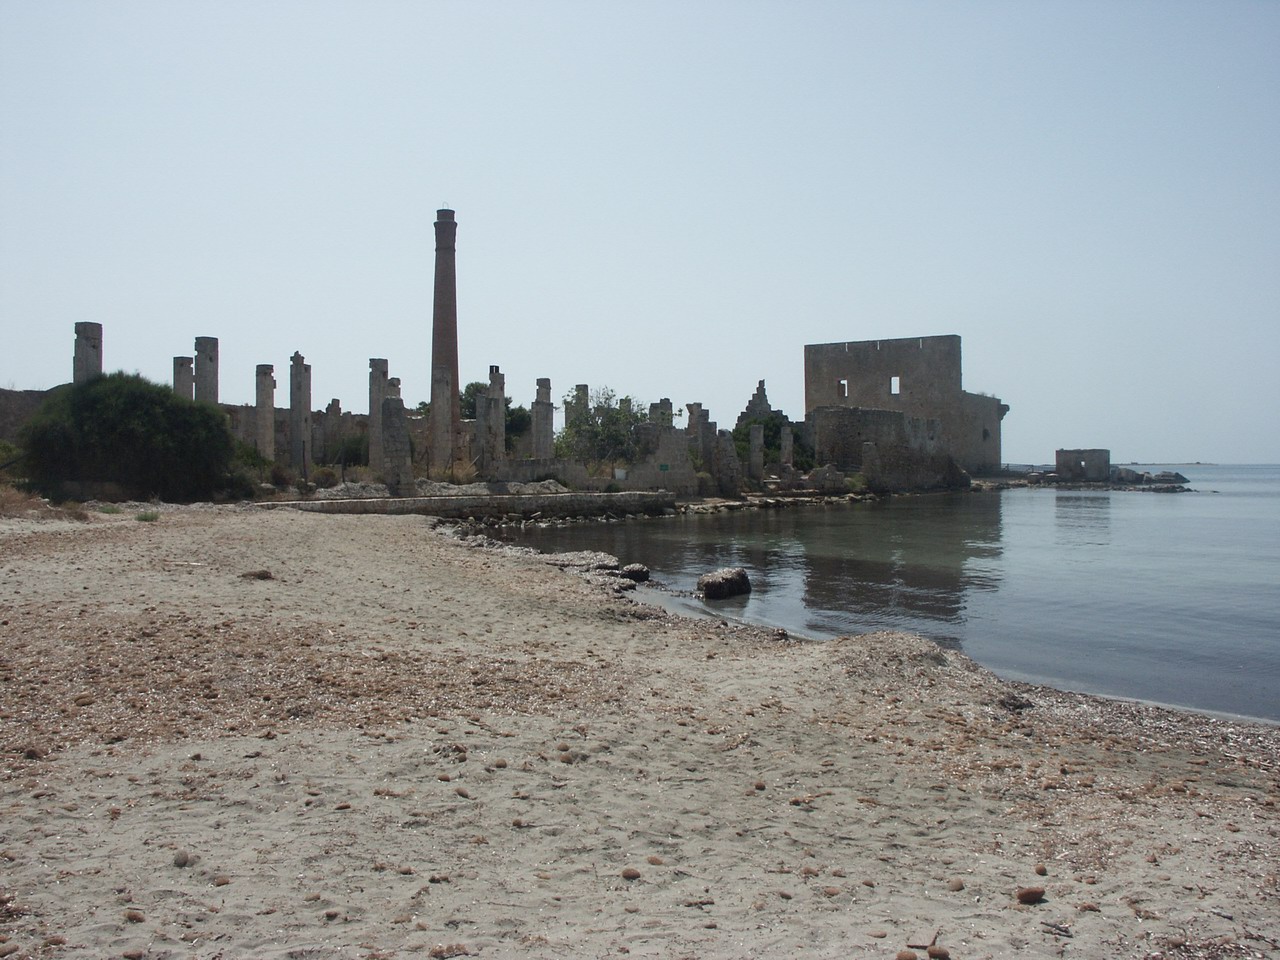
1030,895
630,873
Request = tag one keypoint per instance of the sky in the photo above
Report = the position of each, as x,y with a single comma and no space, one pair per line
665,198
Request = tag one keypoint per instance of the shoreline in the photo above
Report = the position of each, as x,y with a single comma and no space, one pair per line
395,744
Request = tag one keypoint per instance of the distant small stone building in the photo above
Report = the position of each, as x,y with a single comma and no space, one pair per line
1083,464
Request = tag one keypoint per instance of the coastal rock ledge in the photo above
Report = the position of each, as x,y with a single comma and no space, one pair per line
726,582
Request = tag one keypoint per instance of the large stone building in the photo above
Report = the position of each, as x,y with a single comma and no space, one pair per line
918,377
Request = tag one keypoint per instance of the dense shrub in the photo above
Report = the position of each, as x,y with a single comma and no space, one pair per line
122,429
603,433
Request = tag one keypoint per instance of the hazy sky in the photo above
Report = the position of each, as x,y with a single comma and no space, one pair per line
670,199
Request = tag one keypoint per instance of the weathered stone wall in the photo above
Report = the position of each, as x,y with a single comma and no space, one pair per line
569,472
917,376
757,407
891,450
1083,464
667,468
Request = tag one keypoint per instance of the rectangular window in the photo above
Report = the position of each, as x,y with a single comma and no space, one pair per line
842,389
895,385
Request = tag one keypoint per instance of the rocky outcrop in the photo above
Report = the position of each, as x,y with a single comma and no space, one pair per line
726,582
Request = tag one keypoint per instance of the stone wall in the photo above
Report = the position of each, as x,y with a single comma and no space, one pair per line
893,451
1083,464
917,376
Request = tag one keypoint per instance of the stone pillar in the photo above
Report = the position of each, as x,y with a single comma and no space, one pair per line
265,435
446,413
580,404
755,467
491,423
377,393
396,450
300,415
727,468
662,413
207,369
184,378
787,452
543,415
701,434
87,361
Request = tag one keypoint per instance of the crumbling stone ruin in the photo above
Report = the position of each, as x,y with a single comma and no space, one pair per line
891,409
905,397
1089,465
184,377
206,372
87,363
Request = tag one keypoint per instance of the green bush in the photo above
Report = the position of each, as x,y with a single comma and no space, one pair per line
324,477
122,429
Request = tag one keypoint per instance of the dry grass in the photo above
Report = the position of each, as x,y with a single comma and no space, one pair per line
19,504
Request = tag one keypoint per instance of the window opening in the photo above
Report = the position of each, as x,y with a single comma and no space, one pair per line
895,385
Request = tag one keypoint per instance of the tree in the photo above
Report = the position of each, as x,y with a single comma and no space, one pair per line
126,430
603,433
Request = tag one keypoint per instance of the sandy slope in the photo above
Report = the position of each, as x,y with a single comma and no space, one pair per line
401,745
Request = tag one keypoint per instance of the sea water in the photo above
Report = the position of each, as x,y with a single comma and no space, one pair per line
1166,597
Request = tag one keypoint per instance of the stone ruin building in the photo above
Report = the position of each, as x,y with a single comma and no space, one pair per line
1090,465
891,409
896,408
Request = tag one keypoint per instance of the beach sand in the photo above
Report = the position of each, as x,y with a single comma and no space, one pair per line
231,732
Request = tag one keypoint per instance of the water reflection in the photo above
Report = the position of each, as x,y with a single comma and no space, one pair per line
908,564
1082,518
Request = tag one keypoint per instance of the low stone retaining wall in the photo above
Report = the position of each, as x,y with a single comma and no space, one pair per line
528,507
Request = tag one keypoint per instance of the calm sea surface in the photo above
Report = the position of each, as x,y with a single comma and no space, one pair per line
1173,598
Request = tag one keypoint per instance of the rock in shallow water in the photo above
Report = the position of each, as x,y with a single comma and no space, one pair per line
726,582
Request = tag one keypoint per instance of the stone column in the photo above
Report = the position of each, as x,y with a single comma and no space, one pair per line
300,415
266,411
543,415
755,466
184,378
207,369
787,452
580,404
727,468
491,422
446,413
87,362
397,456
662,413
377,393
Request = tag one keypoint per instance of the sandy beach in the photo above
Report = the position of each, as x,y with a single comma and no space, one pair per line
231,732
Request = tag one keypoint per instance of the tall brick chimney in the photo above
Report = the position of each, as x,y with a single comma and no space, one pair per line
446,414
